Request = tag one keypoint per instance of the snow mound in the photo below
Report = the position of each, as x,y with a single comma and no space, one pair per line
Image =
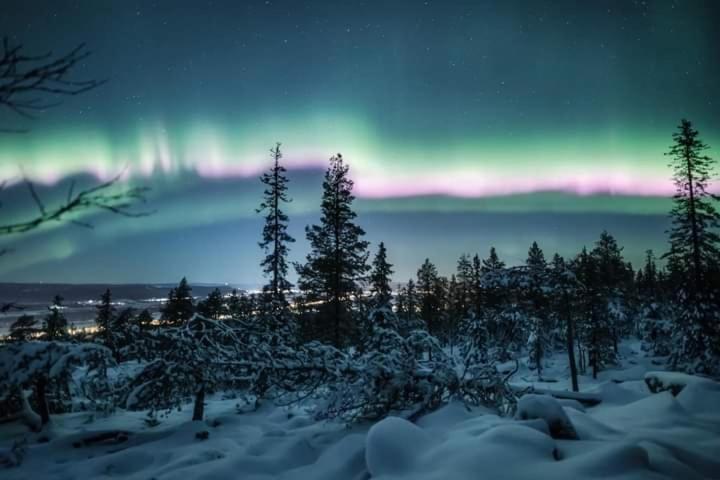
545,407
671,381
617,394
571,403
701,398
392,446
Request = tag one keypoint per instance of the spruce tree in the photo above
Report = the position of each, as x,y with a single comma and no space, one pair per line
647,278
213,306
693,237
179,307
492,268
536,304
430,301
275,238
694,255
337,261
55,324
594,330
104,316
612,275
241,306
407,308
493,291
463,298
476,286
380,278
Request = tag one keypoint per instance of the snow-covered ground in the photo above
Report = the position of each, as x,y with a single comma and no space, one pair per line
631,434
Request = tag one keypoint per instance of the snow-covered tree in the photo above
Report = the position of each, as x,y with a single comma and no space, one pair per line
46,368
534,290
594,332
185,361
430,297
694,255
564,289
694,239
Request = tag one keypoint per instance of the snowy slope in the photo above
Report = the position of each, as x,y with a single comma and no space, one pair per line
632,434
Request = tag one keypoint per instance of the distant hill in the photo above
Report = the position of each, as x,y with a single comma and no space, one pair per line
44,292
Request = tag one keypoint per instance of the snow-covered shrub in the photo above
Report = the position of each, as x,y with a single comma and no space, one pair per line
532,406
185,361
696,337
656,329
478,380
47,368
394,376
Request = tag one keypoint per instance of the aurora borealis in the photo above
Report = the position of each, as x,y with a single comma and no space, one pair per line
465,125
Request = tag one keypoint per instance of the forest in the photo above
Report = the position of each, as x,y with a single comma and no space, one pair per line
343,335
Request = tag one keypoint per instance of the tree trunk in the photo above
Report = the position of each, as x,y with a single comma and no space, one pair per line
571,348
43,409
594,360
199,407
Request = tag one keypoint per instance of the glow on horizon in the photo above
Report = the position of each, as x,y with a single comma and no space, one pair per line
380,168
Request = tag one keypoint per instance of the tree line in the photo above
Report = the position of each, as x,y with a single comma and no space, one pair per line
344,335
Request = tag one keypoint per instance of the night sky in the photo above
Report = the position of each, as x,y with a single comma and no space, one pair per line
465,124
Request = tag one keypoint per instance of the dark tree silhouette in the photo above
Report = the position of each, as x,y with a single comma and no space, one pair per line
275,237
104,317
24,328
380,278
213,306
55,324
337,261
179,307
693,237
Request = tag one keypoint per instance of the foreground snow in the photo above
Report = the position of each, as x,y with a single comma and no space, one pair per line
631,434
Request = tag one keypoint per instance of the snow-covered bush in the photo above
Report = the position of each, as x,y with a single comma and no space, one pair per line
695,346
400,374
47,369
182,362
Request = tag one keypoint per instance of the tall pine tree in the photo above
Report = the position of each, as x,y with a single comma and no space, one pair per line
694,256
337,261
693,237
275,238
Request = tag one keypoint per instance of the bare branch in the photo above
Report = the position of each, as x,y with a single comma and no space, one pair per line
23,78
35,197
94,198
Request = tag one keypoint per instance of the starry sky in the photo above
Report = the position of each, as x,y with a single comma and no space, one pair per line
466,124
